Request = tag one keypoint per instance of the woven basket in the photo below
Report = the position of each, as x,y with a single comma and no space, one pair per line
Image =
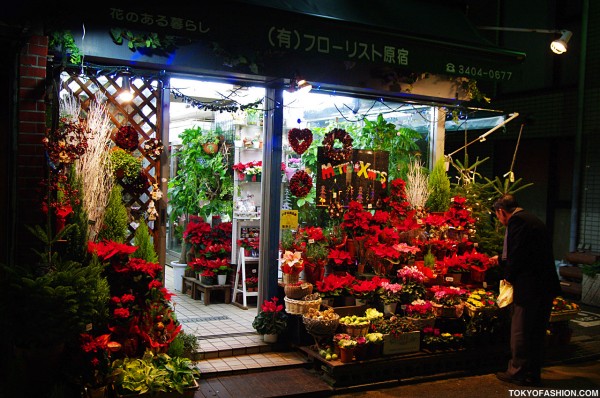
299,307
321,327
290,279
472,310
355,330
297,292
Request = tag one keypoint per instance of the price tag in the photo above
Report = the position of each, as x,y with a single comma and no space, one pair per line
311,241
449,279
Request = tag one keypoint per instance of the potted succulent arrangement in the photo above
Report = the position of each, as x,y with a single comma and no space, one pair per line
271,320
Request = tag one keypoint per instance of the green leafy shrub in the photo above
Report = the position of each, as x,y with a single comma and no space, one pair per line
439,188
115,218
143,240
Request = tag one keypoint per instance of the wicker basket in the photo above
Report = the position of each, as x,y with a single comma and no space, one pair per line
472,310
321,327
559,316
448,312
297,292
299,307
355,330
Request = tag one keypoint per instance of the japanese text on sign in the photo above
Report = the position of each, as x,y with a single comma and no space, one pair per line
159,20
289,219
280,37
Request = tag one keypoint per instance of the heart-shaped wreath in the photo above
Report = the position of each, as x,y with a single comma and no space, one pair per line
300,140
343,153
300,184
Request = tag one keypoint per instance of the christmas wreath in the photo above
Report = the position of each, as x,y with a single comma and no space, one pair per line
338,154
153,147
300,140
127,138
300,184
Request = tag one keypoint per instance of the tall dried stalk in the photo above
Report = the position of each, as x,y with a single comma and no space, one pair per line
70,107
93,165
417,191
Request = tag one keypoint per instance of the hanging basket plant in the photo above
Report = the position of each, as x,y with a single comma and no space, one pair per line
127,138
124,165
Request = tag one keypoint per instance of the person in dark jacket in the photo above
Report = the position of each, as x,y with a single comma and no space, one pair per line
530,269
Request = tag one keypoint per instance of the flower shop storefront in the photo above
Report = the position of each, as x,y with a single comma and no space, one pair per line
363,229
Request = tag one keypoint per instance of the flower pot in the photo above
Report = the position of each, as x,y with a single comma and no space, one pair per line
346,354
358,301
96,392
178,272
453,278
289,279
270,338
207,280
210,148
442,311
374,350
314,274
222,279
390,309
360,352
477,276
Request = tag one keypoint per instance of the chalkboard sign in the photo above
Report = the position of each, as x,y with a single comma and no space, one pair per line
363,178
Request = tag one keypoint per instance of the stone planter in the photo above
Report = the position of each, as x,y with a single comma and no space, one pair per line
178,272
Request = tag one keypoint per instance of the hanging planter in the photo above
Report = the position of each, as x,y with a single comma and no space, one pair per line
210,148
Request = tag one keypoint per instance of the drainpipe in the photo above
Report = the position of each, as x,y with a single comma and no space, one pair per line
577,161
271,195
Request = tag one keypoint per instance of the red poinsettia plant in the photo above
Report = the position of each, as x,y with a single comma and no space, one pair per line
334,285
249,243
356,220
340,257
459,214
364,289
95,357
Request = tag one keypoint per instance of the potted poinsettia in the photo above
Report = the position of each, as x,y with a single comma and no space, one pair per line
291,266
271,320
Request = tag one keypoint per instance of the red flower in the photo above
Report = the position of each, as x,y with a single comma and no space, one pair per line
332,285
107,249
121,313
340,257
271,305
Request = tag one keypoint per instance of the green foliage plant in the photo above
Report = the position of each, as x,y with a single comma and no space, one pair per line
184,345
77,238
148,41
439,188
401,143
143,240
123,164
204,184
153,374
591,270
63,40
115,218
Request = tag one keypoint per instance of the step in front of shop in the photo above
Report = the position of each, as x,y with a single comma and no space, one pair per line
231,345
250,363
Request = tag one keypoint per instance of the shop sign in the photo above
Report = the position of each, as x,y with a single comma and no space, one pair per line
363,178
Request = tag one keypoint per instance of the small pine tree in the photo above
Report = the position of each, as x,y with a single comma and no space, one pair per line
115,218
143,241
77,238
439,188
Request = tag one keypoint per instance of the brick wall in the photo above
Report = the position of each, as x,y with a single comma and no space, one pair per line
31,116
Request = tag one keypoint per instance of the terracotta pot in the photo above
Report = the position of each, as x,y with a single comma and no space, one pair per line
346,354
289,278
314,274
210,148
270,338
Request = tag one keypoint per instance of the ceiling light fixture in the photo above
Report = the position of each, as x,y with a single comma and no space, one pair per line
299,85
558,46
126,94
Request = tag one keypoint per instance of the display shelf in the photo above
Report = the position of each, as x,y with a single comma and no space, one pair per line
241,272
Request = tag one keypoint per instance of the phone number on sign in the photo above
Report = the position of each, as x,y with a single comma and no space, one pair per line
480,72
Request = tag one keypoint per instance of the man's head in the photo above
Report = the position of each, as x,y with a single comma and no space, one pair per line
504,207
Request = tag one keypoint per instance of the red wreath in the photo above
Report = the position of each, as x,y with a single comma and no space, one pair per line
127,138
300,140
300,184
338,154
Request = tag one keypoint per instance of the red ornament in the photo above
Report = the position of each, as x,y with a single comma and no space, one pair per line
338,154
300,140
300,184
